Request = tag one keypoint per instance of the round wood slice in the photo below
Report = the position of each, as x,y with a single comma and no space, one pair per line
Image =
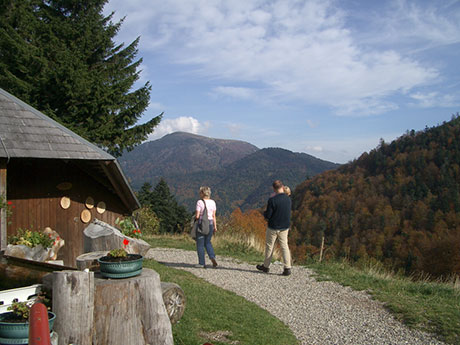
100,208
89,203
65,202
64,186
85,216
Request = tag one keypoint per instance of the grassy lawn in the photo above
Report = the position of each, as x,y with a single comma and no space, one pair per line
429,306
211,310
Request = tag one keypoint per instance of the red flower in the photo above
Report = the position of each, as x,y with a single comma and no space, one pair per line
10,203
125,242
57,238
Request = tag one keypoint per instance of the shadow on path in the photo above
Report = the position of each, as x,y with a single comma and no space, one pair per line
220,267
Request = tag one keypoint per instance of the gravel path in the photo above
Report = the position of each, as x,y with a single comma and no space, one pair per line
319,313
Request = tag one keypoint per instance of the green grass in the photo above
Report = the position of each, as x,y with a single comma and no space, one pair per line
210,309
429,306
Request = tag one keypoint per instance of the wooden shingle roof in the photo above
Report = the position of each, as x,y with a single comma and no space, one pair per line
25,133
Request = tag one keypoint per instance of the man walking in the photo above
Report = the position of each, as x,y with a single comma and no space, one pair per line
278,214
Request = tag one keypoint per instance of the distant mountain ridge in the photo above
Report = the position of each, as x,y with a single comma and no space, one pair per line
239,173
180,153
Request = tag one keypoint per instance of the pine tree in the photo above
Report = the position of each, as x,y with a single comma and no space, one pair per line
59,56
173,217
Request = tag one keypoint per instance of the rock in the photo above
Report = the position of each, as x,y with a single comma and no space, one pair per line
100,236
22,251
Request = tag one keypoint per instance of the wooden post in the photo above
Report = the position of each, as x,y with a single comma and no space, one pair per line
3,220
321,251
73,304
130,311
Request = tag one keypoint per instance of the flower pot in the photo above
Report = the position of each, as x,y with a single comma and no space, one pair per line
18,332
121,267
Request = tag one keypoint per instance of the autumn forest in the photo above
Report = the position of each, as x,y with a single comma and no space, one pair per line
398,204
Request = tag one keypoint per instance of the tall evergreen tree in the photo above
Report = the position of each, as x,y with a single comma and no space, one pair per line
59,56
173,217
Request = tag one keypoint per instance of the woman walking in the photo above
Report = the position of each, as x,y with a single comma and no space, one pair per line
204,241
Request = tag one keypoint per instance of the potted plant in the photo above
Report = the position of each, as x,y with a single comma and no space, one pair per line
118,263
30,244
14,324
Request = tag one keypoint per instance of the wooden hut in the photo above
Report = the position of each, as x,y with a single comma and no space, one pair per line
55,178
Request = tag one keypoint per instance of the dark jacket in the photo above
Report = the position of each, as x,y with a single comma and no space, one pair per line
278,212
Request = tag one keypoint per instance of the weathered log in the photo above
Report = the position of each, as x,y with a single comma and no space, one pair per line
174,300
89,260
100,236
73,304
130,311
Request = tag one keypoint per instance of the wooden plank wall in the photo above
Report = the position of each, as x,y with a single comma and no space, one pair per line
3,220
33,190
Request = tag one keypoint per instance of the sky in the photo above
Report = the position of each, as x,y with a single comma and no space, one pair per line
328,78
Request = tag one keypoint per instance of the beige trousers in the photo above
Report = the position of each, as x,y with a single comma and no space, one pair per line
270,238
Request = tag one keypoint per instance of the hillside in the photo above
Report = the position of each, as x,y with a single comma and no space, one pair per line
239,174
246,183
399,204
180,153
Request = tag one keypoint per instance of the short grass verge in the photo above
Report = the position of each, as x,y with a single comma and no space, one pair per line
220,317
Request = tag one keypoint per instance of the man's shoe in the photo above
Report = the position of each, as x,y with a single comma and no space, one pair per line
263,268
200,266
287,272
214,263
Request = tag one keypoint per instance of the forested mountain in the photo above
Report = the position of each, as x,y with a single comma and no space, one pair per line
399,204
239,174
180,153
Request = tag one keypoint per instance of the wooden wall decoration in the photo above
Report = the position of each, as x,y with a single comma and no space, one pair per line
100,207
85,216
65,202
89,203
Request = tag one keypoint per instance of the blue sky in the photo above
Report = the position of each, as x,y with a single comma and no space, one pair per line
328,78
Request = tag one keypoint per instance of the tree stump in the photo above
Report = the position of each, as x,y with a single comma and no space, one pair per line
73,304
130,311
89,260
174,300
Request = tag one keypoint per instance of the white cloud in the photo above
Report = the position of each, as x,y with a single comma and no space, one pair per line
182,124
416,24
434,99
236,92
294,50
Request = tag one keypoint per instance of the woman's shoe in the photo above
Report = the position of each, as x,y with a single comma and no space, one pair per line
214,263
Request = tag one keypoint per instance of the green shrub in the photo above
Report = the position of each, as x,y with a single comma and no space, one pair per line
31,239
148,221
